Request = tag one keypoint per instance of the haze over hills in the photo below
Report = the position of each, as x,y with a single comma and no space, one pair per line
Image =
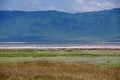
60,27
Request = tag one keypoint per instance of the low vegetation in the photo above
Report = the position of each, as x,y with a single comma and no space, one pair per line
109,64
57,70
62,52
46,70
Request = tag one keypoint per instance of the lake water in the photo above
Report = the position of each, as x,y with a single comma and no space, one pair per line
55,46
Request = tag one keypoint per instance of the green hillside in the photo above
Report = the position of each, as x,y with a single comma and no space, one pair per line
60,27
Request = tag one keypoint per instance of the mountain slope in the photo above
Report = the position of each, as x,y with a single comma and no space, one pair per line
60,27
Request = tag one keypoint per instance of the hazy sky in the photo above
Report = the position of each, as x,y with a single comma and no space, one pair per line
59,5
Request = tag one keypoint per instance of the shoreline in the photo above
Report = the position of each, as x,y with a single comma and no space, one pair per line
58,46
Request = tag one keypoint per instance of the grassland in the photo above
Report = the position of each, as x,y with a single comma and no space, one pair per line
47,70
60,52
60,64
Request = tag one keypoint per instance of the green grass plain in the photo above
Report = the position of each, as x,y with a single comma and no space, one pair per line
59,52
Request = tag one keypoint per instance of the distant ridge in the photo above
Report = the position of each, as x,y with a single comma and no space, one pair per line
60,11
60,27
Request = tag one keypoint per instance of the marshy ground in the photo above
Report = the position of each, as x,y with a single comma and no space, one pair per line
60,64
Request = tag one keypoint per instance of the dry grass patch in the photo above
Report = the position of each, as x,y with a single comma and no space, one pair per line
47,70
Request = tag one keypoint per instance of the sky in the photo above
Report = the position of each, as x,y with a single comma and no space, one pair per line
72,6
